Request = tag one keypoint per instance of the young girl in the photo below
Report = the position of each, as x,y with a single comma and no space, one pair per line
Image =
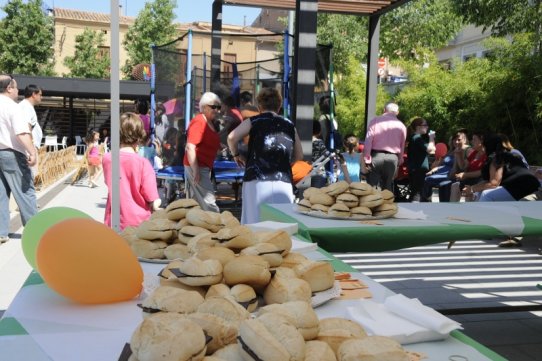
138,191
352,160
94,157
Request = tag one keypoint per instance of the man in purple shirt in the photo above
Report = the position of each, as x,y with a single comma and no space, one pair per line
384,147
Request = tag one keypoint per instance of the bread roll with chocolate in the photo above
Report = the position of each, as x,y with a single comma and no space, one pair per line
245,296
318,351
298,313
218,290
156,229
178,209
292,259
385,210
279,238
149,249
268,251
349,199
250,270
186,233
371,200
195,272
340,210
360,212
231,352
224,307
319,275
320,208
168,337
304,205
177,251
285,289
200,242
286,333
235,238
334,331
310,191
229,220
360,188
334,189
322,199
222,332
387,196
205,219
221,254
171,299
372,348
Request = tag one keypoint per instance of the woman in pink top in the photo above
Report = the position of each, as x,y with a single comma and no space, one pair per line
138,191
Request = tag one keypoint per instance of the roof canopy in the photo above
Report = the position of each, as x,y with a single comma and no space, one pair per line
355,7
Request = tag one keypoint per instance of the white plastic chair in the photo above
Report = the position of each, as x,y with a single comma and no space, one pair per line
64,143
51,141
80,144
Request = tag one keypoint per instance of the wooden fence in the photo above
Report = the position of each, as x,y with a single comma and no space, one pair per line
54,165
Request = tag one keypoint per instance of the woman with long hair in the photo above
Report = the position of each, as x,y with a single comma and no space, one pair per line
418,150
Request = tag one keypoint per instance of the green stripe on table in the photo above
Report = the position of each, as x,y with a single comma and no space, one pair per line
477,346
11,327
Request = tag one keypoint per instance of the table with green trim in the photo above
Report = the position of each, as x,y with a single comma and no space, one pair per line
444,222
41,325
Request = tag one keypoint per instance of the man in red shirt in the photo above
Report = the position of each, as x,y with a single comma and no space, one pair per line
202,144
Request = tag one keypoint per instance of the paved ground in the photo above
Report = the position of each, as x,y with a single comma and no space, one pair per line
466,282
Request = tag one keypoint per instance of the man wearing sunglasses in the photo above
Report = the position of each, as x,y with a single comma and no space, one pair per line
202,144
17,155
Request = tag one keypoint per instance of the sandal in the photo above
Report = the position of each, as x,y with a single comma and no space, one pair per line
509,243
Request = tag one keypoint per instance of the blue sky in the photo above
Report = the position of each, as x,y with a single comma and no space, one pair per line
187,10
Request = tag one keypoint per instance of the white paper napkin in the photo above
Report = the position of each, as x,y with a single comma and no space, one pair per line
290,228
411,322
413,310
404,213
302,246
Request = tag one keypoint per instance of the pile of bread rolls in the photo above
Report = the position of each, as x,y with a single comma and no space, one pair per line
357,200
239,295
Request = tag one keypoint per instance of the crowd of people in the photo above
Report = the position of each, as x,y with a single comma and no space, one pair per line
482,167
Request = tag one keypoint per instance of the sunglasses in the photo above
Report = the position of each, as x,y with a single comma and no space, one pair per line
215,107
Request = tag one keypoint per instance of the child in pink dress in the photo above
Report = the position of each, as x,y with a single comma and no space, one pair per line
138,191
94,157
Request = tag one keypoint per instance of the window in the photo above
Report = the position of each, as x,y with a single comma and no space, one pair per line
227,65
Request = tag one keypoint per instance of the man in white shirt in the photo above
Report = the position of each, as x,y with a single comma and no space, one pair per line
32,97
17,155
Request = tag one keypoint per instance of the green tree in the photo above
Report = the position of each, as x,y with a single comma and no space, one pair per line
407,31
26,39
87,62
153,25
504,17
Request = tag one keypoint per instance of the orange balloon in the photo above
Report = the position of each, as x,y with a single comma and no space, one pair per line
88,262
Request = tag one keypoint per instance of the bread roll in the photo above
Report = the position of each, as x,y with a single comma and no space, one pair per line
168,336
224,307
285,289
186,233
221,331
221,254
218,290
195,272
340,210
334,331
360,212
304,205
235,238
372,348
322,199
292,259
334,189
279,238
360,188
155,229
257,343
200,242
319,275
310,191
285,333
177,251
231,352
178,209
387,196
149,249
250,270
318,351
245,296
371,200
228,219
298,313
349,199
171,299
385,210
268,251
204,219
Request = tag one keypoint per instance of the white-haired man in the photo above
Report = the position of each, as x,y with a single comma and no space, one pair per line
384,148
17,155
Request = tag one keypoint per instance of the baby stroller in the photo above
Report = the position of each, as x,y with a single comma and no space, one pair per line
303,172
401,183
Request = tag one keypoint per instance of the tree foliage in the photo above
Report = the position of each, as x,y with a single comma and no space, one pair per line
87,62
26,39
153,25
504,17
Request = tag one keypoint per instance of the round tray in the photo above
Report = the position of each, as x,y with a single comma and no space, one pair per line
154,260
320,214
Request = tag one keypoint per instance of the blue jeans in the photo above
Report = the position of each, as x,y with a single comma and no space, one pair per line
16,178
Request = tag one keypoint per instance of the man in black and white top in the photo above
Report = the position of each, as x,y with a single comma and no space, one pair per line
32,97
